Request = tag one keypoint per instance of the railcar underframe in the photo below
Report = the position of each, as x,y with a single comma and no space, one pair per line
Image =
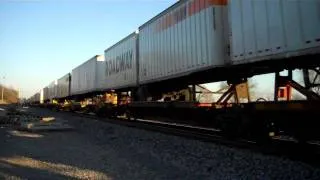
254,120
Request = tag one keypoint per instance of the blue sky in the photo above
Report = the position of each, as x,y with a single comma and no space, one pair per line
42,40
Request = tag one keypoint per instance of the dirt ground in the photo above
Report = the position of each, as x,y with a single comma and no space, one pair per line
76,154
98,150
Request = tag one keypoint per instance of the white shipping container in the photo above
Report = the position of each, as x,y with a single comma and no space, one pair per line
63,88
120,67
41,96
190,36
36,98
84,76
45,93
270,29
52,89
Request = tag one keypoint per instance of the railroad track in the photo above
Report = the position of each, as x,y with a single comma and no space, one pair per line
185,130
308,152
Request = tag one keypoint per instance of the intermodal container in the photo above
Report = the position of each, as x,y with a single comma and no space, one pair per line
119,69
36,98
84,76
63,87
41,96
45,93
190,36
52,89
273,29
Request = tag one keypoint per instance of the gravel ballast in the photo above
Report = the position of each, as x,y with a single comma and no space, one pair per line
98,150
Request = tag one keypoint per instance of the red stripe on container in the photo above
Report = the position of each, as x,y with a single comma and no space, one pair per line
202,4
218,2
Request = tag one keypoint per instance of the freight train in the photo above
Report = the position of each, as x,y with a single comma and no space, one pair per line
153,72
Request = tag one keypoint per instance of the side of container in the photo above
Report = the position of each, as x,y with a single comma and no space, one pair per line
119,70
45,93
41,96
188,37
52,89
84,76
37,98
272,29
63,88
